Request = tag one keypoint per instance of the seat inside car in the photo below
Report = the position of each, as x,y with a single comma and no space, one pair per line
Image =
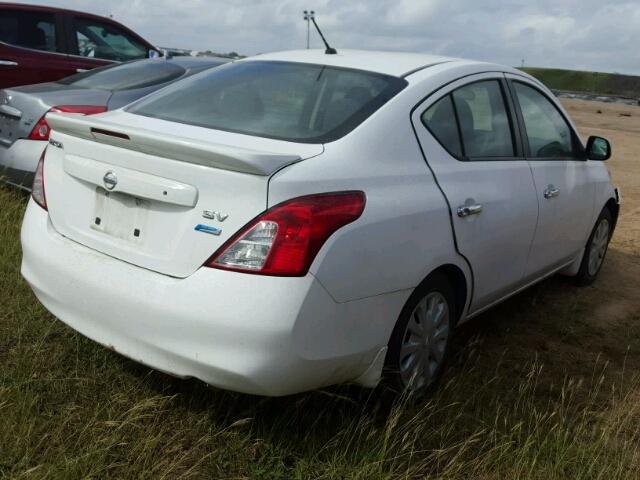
32,37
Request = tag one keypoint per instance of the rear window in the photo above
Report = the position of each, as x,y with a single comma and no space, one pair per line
287,101
126,76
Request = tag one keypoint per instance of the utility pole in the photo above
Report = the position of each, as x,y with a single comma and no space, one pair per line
308,16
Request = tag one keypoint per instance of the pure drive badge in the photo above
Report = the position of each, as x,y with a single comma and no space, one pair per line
207,229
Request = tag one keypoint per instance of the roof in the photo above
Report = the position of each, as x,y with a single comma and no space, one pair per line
390,63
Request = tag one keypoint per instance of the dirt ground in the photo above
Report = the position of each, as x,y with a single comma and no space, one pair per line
621,276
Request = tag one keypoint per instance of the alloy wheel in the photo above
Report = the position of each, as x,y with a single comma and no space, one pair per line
425,341
598,247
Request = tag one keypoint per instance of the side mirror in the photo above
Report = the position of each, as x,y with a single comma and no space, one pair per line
598,148
154,53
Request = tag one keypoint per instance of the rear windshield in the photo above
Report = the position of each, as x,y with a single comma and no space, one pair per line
125,76
288,101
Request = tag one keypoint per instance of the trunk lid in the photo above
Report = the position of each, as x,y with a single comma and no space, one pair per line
157,194
21,108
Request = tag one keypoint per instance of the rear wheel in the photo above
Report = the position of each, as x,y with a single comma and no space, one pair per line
596,249
420,341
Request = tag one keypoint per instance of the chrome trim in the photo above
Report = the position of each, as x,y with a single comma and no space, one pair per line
110,180
551,191
8,63
467,210
213,215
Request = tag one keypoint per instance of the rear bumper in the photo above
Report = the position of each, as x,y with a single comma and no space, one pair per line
248,333
19,161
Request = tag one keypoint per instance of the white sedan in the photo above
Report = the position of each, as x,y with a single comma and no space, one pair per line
300,219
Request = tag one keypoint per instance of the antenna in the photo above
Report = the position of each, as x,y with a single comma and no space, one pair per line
329,50
308,15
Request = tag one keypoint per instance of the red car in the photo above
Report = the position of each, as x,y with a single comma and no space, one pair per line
43,44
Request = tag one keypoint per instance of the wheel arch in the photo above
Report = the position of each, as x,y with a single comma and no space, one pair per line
613,207
459,282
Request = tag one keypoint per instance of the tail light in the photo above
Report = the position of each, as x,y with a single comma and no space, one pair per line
285,239
37,190
41,130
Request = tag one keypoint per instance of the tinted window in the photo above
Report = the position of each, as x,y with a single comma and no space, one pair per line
34,30
548,133
441,122
138,74
101,40
289,101
484,122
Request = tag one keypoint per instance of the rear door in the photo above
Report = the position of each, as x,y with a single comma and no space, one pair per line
566,193
93,43
32,47
472,145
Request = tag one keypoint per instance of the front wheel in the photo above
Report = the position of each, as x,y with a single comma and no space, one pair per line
420,341
596,249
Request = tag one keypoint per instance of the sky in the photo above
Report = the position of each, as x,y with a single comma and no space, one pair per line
598,35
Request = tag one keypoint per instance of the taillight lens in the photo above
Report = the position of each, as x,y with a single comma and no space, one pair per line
42,130
286,238
37,190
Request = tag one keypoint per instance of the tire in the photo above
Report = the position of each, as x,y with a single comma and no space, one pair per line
416,356
596,249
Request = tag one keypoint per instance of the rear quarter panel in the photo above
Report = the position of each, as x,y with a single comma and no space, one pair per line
404,232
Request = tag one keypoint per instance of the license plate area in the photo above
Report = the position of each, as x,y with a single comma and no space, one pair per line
120,215
7,127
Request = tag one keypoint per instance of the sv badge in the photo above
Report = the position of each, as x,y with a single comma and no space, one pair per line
213,215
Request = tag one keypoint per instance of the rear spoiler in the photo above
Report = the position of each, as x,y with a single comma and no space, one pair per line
176,148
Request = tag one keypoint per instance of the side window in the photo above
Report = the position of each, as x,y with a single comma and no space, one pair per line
484,122
548,133
100,40
440,119
36,30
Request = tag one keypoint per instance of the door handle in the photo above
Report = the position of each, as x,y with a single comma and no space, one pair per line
469,209
80,70
551,191
8,63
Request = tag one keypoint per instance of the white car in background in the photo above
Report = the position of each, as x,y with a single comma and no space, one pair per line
298,219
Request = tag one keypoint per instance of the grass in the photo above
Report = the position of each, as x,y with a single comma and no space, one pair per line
587,82
72,409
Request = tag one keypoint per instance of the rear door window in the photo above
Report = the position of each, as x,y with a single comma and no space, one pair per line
105,42
440,119
126,76
473,122
35,30
483,119
282,100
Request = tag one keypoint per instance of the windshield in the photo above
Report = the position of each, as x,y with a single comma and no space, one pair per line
125,76
288,101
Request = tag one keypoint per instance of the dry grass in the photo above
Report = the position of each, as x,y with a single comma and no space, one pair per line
546,386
